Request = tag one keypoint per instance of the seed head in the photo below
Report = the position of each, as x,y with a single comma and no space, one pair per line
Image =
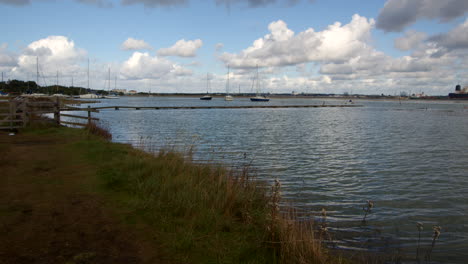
436,232
420,226
324,212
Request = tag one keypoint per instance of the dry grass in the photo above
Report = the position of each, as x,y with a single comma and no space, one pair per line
97,130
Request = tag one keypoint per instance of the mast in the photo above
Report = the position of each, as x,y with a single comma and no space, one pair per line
88,74
207,83
37,70
257,84
108,84
227,84
56,84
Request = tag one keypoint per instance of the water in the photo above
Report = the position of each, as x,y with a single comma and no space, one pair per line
410,158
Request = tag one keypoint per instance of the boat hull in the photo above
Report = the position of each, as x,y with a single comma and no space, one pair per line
255,99
205,98
459,96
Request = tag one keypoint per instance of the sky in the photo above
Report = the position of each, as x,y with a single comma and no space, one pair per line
178,46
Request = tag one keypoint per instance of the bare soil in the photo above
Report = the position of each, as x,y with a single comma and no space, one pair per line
47,216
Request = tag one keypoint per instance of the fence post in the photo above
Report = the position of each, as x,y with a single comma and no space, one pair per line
26,115
89,115
11,113
57,111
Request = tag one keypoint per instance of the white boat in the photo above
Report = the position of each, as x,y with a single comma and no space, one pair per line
228,97
258,97
89,96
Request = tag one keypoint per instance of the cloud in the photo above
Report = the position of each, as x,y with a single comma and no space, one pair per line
7,59
257,3
398,14
164,3
219,47
411,40
282,47
98,3
456,38
156,3
54,53
182,48
144,66
15,2
135,44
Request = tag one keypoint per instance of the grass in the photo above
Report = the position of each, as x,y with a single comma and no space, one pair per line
204,214
193,213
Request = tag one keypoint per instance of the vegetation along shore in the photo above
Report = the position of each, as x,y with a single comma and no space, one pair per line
71,196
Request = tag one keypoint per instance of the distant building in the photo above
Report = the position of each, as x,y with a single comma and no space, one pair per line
132,92
124,91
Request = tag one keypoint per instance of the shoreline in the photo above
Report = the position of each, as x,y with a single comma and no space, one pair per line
165,203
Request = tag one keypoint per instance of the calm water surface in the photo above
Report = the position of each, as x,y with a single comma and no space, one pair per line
410,158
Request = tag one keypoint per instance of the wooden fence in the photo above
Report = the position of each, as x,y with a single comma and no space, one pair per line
23,111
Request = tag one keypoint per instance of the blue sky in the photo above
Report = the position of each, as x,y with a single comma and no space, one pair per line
377,47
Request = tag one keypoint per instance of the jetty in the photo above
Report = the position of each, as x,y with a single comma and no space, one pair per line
219,107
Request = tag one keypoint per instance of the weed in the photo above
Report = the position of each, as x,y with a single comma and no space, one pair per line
95,129
367,209
435,236
420,228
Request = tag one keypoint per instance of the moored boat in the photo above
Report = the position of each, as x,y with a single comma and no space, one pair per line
207,96
258,97
461,94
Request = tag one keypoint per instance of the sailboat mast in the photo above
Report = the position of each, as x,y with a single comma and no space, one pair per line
37,71
257,84
88,74
227,84
207,83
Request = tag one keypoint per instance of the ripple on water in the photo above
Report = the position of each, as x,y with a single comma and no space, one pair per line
410,159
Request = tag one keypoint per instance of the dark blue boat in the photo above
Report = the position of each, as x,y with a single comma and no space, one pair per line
459,93
259,98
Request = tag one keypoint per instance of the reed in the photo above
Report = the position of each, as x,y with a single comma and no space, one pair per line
420,229
98,130
435,237
367,209
205,213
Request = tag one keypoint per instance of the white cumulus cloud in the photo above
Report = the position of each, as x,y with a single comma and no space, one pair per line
282,47
54,53
135,44
144,66
182,48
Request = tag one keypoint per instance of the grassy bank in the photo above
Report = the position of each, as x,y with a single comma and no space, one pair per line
178,211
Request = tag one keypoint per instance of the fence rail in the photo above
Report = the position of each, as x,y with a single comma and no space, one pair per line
21,112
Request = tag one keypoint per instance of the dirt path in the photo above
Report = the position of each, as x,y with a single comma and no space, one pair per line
46,216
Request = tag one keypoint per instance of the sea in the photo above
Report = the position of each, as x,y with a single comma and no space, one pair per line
409,157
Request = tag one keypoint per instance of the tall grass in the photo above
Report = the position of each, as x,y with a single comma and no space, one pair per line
205,213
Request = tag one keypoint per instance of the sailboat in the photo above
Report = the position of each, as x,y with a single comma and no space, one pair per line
228,97
111,96
207,96
258,97
88,95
